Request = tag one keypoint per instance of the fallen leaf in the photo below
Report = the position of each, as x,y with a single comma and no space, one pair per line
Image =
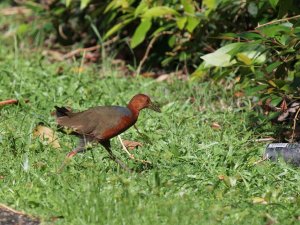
259,200
47,135
92,56
283,106
131,144
239,94
283,116
150,75
215,126
15,10
53,55
228,181
162,77
79,69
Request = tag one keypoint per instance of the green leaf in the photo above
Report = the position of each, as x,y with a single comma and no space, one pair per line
273,3
221,57
84,4
277,29
68,3
140,33
256,56
159,11
117,27
116,4
172,41
141,8
244,58
250,35
254,90
273,66
286,88
180,21
192,23
188,6
210,4
218,59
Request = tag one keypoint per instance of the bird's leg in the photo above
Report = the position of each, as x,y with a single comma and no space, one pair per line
131,155
106,145
124,148
71,154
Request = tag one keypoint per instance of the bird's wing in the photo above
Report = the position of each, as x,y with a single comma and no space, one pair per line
96,121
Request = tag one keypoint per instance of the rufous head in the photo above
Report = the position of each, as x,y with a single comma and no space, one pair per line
141,101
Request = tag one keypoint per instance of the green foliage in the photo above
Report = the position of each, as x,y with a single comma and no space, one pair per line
184,30
186,33
266,60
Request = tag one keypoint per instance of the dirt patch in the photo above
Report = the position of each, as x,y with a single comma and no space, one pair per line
10,216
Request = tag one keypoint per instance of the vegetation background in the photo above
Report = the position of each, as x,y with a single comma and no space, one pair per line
226,74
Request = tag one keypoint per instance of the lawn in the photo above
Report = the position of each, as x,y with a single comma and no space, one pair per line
202,174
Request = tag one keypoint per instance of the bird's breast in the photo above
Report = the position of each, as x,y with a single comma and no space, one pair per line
123,124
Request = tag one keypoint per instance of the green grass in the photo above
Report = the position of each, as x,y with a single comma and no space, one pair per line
188,156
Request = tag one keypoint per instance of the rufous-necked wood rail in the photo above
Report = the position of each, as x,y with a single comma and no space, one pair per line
100,124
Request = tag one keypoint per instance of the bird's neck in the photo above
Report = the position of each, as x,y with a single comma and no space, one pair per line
135,112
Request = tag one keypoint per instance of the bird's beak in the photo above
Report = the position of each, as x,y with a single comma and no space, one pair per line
154,106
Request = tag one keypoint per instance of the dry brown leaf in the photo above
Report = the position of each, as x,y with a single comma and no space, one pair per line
163,77
283,106
150,75
46,134
215,126
54,55
239,94
131,144
15,10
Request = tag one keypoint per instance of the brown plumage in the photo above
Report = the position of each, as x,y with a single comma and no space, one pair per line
101,123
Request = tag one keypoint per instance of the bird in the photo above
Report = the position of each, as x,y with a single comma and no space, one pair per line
101,123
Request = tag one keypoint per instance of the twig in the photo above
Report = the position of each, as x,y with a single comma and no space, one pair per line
294,124
277,21
149,48
11,101
89,49
265,139
76,51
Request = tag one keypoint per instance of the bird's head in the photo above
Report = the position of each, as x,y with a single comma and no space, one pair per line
141,101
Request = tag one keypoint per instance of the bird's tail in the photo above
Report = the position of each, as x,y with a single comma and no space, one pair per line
62,111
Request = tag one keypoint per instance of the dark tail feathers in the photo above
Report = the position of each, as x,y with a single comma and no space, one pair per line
62,111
